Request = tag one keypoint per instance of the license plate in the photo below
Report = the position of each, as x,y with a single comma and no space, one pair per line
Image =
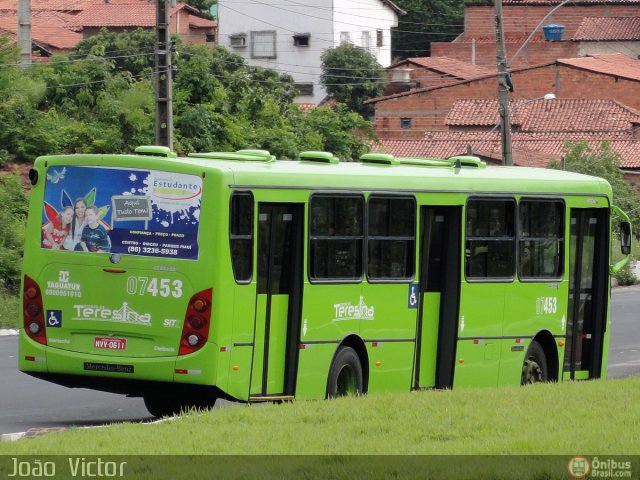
109,343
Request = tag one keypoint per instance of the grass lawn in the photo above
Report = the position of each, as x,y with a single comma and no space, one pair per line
581,418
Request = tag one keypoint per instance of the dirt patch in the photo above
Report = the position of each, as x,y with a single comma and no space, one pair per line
22,169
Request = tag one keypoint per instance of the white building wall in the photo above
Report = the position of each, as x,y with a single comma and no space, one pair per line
360,16
323,20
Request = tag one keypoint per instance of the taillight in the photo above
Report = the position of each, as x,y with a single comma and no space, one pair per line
33,311
195,331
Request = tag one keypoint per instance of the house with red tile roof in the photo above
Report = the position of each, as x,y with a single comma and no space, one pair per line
540,132
58,25
407,115
50,32
585,31
421,72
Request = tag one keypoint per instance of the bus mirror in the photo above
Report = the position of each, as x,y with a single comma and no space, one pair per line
625,238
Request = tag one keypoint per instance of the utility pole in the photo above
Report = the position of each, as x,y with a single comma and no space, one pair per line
163,74
504,87
24,32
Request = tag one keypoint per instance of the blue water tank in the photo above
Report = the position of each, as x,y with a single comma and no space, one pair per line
553,32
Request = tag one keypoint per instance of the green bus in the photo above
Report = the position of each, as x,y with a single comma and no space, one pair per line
239,276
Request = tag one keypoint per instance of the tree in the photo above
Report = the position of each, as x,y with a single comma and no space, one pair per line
12,225
605,163
426,21
352,75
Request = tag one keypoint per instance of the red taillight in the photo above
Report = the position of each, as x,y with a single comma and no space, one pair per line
33,311
195,331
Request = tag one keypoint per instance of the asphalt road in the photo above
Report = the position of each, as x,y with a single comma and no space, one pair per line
26,402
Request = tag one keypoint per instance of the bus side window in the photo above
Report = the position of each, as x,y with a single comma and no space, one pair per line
541,242
490,242
336,237
391,238
241,235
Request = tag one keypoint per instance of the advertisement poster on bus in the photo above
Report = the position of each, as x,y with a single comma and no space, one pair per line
121,210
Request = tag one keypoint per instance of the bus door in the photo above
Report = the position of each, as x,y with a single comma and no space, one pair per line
278,303
588,293
437,329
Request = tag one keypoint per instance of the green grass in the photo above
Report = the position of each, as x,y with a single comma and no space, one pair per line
562,419
8,310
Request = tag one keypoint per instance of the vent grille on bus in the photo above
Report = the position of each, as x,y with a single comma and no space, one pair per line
155,151
322,157
451,162
240,155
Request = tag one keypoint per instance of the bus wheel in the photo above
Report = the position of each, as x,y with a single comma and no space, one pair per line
162,406
345,374
534,368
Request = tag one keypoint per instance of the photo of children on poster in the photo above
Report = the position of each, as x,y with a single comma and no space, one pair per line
121,210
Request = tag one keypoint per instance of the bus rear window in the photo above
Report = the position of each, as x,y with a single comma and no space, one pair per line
121,210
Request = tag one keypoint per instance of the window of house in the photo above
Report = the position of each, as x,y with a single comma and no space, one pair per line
238,40
336,237
379,38
305,89
541,240
301,39
490,242
263,44
366,40
345,37
241,235
391,238
405,123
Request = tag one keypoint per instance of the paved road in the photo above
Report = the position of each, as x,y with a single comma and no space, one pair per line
624,344
26,402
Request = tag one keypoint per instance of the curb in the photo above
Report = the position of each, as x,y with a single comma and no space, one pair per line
4,332
12,437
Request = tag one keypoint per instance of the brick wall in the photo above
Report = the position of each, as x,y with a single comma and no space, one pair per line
480,20
521,21
419,77
535,53
577,83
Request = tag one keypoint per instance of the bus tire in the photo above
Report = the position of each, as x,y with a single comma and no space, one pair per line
534,368
345,374
162,406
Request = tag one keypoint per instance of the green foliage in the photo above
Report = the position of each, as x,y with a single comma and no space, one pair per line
426,21
625,276
352,75
130,52
12,226
101,99
9,305
605,163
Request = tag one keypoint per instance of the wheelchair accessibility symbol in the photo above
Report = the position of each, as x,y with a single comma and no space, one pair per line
54,318
414,288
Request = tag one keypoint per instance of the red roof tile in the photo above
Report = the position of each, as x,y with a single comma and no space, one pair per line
47,30
558,115
529,149
105,15
449,66
615,64
600,29
197,22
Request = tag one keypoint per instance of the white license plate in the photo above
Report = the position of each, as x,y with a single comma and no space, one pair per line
110,343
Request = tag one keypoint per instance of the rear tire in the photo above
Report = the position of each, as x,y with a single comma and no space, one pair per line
534,368
160,405
345,374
